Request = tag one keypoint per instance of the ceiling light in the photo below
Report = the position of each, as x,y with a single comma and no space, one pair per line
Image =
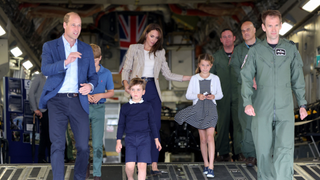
27,65
16,51
2,31
285,28
311,5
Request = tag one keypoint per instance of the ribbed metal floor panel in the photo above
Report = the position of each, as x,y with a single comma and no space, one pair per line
176,171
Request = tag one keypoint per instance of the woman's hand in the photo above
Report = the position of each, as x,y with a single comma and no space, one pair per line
118,146
158,145
186,78
126,86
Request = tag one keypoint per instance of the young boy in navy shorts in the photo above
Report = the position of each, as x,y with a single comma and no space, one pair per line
137,122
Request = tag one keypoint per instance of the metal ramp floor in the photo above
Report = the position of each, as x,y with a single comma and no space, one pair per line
176,171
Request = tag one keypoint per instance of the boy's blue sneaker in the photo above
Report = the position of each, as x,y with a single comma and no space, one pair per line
210,173
205,170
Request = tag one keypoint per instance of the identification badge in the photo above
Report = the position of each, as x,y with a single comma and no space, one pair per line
280,52
244,61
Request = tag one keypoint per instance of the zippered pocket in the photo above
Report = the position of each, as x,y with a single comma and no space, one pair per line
283,61
266,62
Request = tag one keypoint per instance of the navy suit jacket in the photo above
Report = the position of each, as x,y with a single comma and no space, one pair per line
53,56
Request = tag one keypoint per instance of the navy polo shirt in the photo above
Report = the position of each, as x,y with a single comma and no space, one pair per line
105,82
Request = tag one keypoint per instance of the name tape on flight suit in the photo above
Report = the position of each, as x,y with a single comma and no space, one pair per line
280,52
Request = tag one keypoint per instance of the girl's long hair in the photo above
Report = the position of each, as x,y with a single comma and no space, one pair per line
206,57
158,45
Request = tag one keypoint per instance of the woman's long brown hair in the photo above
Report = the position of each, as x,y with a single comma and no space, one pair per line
158,45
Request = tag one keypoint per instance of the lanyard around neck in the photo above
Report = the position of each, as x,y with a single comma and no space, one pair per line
248,45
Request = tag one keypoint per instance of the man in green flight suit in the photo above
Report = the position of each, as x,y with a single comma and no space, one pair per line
248,33
228,107
277,67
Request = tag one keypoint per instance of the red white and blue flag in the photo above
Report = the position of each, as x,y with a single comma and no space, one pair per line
130,30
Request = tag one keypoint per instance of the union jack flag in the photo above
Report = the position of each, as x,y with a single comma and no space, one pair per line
130,30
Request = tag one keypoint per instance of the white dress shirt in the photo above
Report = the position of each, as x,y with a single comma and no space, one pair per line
70,83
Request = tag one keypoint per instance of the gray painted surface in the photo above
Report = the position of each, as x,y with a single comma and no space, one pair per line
177,171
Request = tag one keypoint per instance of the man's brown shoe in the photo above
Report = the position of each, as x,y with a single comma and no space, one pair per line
96,178
251,161
223,158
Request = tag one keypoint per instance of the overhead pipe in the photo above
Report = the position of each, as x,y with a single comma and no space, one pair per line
57,11
164,9
233,9
189,12
26,5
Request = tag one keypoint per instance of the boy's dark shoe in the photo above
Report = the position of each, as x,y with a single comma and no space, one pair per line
96,178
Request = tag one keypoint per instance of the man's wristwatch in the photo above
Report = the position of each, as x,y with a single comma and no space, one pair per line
304,106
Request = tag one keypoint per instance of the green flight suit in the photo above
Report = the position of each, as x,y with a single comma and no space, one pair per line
227,107
247,145
278,72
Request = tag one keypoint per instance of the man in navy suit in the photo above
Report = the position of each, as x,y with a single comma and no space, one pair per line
69,65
